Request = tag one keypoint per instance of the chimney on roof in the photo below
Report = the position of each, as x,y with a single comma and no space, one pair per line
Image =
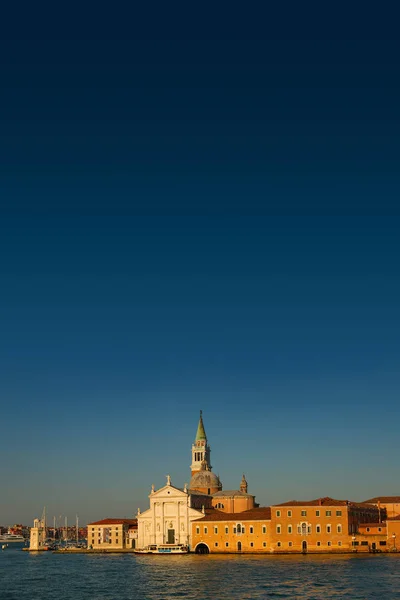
203,510
320,501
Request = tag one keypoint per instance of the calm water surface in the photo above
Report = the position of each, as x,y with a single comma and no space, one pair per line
49,576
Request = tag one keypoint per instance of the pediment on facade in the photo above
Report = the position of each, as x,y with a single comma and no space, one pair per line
168,491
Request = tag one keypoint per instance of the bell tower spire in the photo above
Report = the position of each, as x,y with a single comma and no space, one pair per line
200,449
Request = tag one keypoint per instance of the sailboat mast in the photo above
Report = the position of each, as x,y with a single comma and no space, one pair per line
77,530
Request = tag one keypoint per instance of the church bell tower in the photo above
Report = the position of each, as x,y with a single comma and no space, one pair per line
200,450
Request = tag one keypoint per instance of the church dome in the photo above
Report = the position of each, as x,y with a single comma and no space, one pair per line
205,481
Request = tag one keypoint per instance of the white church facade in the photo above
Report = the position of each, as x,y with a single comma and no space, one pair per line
169,518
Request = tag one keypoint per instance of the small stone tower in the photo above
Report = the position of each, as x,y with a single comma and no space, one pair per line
243,485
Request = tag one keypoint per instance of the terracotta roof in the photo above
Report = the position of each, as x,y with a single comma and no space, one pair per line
114,522
230,493
254,514
397,518
372,524
390,499
323,502
318,502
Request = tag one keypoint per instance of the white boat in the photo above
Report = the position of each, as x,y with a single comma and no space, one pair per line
163,549
11,537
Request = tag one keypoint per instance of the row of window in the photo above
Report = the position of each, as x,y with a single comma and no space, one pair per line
290,544
239,528
216,544
306,529
328,513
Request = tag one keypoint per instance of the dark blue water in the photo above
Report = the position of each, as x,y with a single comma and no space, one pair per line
47,576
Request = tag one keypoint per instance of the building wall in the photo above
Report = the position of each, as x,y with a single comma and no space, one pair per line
169,511
393,534
224,536
311,528
233,504
107,537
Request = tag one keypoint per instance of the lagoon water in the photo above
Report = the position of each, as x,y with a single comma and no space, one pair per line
48,576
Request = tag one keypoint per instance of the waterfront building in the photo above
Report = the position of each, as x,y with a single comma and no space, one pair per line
390,503
37,538
221,532
171,512
321,525
111,534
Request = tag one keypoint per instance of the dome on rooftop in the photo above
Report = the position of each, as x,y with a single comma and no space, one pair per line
205,480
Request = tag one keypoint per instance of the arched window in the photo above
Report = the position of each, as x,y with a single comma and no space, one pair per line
239,528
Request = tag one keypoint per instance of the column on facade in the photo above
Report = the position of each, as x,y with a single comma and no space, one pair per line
162,524
154,523
179,524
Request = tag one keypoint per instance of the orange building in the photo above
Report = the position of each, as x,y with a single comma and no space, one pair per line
220,532
321,525
234,501
390,503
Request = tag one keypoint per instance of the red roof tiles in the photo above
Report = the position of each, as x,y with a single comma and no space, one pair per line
115,522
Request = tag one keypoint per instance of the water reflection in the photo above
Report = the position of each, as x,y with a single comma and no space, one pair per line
129,577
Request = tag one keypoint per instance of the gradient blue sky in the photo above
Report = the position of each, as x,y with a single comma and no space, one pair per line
197,222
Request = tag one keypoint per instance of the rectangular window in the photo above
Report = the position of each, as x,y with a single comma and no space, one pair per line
251,530
234,530
329,543
328,513
243,529
251,544
298,529
264,529
264,544
216,544
303,513
289,529
382,543
339,529
318,543
339,543
205,530
309,529
289,513
226,530
317,513
92,528
226,544
278,513
290,543
362,543
279,544
338,513
278,529
197,530
328,529
318,529
215,530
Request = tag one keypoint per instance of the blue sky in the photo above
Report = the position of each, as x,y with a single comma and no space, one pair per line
197,213
117,331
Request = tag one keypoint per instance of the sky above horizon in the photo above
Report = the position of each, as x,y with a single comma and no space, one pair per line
197,222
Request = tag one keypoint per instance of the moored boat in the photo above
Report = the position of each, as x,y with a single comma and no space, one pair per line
163,549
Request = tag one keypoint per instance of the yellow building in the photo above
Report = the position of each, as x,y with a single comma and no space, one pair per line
111,534
220,532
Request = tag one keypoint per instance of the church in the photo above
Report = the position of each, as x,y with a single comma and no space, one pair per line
173,509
